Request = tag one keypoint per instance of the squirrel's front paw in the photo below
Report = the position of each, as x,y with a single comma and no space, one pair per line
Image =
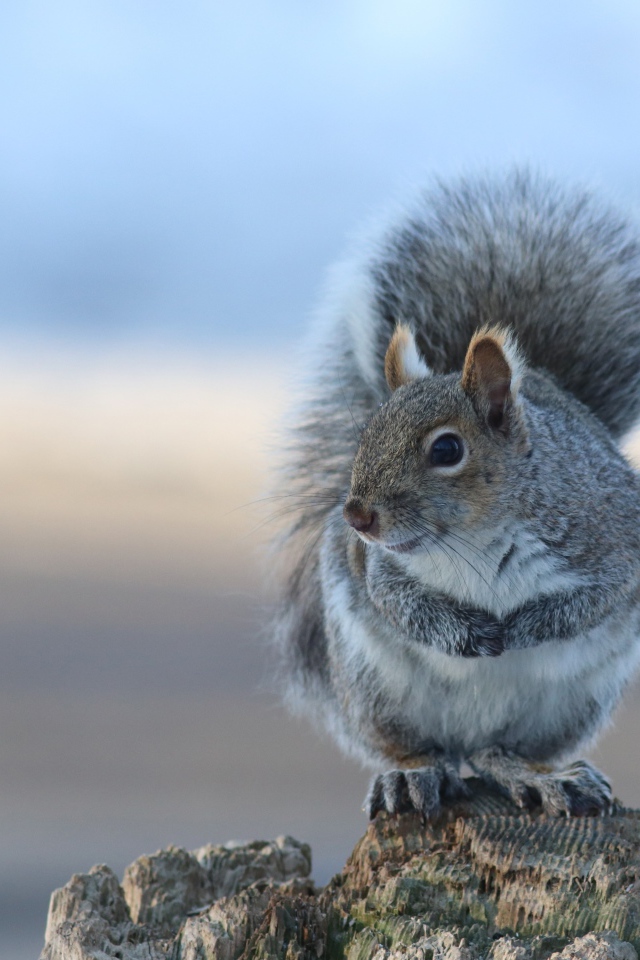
485,636
420,790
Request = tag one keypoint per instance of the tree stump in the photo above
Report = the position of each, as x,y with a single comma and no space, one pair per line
484,880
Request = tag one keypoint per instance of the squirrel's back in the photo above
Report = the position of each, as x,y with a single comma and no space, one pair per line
554,264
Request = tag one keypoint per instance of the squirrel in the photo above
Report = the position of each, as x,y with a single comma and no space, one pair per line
461,558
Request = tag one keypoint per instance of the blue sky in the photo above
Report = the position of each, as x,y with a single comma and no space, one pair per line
184,173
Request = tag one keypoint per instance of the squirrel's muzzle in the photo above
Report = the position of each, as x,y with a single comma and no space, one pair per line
360,518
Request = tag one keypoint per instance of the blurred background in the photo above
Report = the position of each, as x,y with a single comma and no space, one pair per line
174,181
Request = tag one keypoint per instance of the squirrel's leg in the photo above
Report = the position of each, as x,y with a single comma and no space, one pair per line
420,789
559,616
577,790
427,618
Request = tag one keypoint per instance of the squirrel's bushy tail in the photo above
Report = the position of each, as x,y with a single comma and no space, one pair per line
555,264
552,263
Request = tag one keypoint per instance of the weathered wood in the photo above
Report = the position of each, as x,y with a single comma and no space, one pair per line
485,880
485,870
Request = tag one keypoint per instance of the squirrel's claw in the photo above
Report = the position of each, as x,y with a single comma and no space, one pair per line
588,789
419,790
578,790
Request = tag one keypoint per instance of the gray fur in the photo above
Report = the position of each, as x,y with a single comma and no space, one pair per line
554,264
511,630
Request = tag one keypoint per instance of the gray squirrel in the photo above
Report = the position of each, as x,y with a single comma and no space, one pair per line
461,557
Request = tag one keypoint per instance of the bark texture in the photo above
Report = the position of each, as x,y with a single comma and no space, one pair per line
484,881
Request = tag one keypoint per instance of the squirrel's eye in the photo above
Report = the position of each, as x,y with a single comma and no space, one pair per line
446,450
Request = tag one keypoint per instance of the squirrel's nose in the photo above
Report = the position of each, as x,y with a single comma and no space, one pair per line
361,519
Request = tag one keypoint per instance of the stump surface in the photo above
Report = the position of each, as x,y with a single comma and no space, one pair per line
484,880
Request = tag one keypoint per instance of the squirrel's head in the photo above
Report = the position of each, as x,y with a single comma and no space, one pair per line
438,455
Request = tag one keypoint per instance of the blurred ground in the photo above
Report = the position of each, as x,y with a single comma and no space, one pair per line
135,703
135,708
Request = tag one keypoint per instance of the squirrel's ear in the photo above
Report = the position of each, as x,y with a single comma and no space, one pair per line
402,362
491,376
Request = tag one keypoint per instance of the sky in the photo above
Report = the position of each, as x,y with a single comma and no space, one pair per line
184,174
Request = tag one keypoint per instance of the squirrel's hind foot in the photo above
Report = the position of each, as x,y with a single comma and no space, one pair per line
578,790
420,790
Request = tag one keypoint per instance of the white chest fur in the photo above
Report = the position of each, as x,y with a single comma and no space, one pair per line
541,702
537,701
494,570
